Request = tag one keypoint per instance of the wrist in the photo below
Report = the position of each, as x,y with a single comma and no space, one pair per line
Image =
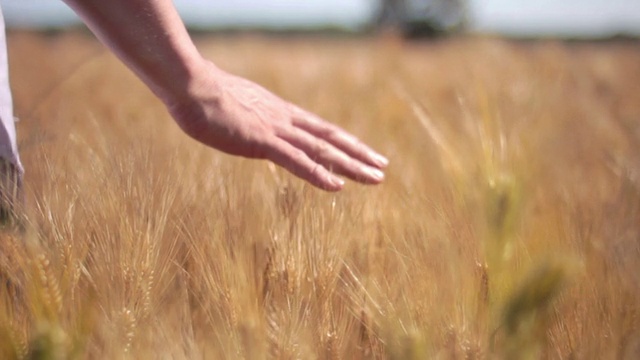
201,89
179,82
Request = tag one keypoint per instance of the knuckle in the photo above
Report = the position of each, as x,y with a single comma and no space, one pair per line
321,148
315,169
298,156
330,132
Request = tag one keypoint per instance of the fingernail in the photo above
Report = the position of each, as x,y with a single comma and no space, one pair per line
375,173
336,181
380,160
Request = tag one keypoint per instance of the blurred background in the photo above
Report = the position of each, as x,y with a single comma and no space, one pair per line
516,18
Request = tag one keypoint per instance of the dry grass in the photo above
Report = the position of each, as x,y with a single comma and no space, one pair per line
508,227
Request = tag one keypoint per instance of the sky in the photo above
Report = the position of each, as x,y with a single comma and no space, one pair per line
516,17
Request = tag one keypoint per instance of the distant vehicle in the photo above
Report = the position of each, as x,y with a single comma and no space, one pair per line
416,18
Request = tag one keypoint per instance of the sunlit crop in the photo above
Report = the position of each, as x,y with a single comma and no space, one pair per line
508,225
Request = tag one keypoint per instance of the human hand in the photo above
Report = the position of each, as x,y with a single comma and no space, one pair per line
239,117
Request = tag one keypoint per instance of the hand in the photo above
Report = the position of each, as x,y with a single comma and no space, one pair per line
238,117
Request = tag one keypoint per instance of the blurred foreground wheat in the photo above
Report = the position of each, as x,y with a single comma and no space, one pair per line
508,227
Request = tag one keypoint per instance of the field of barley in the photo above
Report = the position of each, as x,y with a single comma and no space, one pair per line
508,225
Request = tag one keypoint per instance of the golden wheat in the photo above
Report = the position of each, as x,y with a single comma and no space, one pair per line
507,227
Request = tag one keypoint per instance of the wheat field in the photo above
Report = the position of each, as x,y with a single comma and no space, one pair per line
508,226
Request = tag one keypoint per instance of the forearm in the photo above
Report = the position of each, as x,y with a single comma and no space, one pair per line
149,37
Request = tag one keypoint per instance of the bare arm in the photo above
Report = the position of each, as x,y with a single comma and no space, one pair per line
218,109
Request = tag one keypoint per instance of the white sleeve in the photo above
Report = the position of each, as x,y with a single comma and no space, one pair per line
8,145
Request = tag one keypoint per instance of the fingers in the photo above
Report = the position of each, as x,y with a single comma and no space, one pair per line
339,138
331,157
298,163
